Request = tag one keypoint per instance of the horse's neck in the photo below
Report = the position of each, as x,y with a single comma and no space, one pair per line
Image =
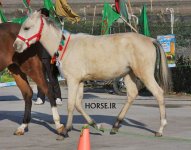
66,35
51,38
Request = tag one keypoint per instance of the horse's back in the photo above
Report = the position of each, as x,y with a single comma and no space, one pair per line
9,27
110,55
113,47
8,33
112,42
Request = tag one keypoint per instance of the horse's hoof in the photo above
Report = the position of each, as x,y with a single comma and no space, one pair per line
114,131
65,132
70,129
66,135
102,130
19,132
100,127
61,129
157,134
60,138
93,124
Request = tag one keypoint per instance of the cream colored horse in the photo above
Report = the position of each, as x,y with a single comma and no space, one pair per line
88,57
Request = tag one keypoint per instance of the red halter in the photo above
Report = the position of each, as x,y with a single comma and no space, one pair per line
37,36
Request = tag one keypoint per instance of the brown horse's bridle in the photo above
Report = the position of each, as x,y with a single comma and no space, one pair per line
37,36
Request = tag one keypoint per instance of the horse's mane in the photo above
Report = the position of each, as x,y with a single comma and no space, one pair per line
51,22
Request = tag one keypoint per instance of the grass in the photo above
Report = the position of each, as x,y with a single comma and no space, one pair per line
5,77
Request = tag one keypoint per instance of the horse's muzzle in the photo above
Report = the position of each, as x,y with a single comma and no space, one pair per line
18,46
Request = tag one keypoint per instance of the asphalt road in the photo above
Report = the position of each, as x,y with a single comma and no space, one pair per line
135,133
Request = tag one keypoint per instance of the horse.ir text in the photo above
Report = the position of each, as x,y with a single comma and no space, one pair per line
100,105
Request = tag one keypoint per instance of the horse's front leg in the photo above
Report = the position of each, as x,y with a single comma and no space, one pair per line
79,108
22,83
56,116
48,91
72,93
36,74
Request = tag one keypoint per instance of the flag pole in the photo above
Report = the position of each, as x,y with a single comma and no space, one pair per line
61,22
171,10
151,5
128,24
85,18
94,19
130,8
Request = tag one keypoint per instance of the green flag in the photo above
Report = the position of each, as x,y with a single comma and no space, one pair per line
19,20
2,16
143,22
48,4
123,9
109,16
27,5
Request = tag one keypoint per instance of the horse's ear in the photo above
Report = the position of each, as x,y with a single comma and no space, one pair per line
31,12
36,14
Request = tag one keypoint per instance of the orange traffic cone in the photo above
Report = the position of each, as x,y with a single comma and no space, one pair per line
84,141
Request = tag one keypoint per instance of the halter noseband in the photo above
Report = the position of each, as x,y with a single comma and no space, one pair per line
37,36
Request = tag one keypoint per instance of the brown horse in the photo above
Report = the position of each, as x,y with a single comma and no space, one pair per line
20,65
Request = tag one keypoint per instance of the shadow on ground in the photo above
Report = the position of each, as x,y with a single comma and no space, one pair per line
46,119
9,98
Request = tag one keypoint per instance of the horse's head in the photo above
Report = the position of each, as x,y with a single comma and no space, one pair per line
30,32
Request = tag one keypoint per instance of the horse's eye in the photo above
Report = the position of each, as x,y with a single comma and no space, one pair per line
26,28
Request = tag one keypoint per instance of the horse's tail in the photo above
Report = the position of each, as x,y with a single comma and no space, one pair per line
162,72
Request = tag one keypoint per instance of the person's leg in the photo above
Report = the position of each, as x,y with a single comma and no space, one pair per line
40,95
53,81
56,86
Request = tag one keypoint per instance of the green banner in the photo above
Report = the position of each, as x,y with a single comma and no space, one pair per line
143,22
123,9
48,4
2,16
109,16
27,5
19,20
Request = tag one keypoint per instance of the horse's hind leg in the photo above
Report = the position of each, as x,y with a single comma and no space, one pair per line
152,85
132,92
22,83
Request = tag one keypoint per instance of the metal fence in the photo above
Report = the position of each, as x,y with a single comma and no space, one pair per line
159,22
91,14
